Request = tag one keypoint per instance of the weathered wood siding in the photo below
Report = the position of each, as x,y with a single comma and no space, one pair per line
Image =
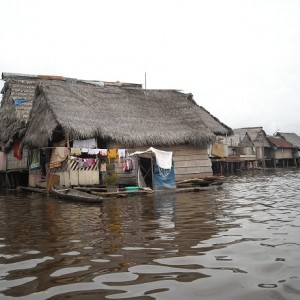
259,152
13,163
72,175
247,151
283,153
189,162
2,161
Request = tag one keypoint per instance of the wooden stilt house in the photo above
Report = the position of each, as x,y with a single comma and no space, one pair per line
247,148
294,140
18,93
282,152
118,119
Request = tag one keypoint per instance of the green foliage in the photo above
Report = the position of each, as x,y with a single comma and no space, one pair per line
111,179
110,168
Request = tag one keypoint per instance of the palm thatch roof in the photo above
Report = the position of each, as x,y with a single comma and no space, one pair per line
292,138
13,118
128,116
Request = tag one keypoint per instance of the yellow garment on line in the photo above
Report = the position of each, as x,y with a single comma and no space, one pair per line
75,151
112,153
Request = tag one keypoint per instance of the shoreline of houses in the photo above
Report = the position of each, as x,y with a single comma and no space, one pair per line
251,148
58,130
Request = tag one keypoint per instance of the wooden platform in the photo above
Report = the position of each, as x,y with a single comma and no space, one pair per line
184,186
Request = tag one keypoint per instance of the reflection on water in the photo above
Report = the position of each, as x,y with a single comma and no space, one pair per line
237,241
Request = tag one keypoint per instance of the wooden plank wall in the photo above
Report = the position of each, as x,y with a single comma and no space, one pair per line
189,162
283,153
2,161
13,163
125,177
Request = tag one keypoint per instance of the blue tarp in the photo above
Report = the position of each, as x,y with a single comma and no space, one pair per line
20,101
163,179
163,176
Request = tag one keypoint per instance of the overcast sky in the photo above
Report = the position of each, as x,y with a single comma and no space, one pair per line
240,59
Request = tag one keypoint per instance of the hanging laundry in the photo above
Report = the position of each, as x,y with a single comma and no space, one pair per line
122,153
103,152
128,165
75,151
163,158
17,150
35,163
93,151
112,154
91,143
88,162
80,163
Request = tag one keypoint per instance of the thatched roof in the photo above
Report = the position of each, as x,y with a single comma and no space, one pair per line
124,115
292,138
13,118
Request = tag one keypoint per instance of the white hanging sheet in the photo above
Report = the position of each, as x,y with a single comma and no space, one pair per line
163,158
91,143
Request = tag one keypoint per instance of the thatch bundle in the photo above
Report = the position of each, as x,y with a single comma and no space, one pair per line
292,138
13,118
127,116
12,127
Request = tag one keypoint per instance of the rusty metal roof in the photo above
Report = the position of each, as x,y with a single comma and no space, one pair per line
292,138
279,142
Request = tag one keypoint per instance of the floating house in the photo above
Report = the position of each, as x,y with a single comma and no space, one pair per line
246,148
294,140
17,97
282,154
251,148
71,126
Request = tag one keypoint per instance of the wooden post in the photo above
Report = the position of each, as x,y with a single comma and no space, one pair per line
68,159
263,156
152,172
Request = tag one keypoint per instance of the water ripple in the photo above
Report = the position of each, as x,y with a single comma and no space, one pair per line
239,241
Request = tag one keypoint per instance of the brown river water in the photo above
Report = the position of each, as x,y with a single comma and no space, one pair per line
240,240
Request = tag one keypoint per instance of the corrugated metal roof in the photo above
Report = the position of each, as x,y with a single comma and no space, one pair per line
279,142
292,138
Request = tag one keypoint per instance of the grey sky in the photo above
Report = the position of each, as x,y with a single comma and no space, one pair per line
239,58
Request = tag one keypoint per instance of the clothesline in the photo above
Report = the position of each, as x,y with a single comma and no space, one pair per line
111,153
59,154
